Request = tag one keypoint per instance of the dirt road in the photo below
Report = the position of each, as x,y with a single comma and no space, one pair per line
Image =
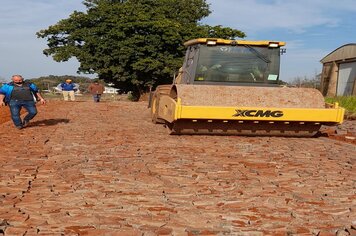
104,169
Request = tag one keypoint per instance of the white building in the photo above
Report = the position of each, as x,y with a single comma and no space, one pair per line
111,90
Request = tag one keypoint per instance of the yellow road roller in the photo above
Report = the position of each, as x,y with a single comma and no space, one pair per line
232,87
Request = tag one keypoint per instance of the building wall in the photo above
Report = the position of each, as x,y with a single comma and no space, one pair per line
329,79
339,72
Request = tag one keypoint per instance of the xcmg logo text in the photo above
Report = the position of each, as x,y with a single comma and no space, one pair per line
258,113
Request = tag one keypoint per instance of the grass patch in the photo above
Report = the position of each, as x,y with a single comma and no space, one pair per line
347,102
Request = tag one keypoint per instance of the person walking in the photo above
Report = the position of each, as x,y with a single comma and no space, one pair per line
96,89
68,88
17,94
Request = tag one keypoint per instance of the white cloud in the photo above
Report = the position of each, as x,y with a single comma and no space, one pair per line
296,16
310,27
34,13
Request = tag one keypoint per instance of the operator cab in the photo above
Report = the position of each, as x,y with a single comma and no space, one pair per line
217,61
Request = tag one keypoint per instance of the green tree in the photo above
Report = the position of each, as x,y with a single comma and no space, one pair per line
131,43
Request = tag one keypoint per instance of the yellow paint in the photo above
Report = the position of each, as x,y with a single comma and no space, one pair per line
332,115
228,42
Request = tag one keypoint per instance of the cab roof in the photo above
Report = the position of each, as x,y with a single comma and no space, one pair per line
232,42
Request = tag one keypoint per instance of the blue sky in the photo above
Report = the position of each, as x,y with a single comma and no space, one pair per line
311,29
20,49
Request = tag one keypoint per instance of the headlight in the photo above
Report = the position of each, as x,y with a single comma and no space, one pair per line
273,45
211,43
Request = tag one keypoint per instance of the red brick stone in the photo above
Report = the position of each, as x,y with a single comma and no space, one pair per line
106,170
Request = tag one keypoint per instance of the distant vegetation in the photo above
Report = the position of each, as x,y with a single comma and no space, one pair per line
306,82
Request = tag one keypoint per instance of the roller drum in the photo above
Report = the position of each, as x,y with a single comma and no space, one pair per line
244,96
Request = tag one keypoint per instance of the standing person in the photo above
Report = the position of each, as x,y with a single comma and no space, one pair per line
20,93
96,90
68,89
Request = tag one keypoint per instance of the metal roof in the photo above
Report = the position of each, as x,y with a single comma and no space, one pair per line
345,52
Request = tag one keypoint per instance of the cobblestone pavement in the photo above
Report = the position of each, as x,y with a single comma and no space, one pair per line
104,169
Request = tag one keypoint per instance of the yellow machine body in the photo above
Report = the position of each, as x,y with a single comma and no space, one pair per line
171,111
227,100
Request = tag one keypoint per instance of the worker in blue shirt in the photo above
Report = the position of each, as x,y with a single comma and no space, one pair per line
17,94
68,88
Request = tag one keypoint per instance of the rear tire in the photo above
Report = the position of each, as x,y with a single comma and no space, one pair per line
162,90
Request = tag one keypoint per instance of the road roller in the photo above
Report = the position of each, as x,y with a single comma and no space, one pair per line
233,87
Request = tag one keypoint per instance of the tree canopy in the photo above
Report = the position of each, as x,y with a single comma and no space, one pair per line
131,43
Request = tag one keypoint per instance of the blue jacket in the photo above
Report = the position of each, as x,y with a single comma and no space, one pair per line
68,87
6,89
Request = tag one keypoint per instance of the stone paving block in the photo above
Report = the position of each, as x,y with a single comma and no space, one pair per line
15,231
